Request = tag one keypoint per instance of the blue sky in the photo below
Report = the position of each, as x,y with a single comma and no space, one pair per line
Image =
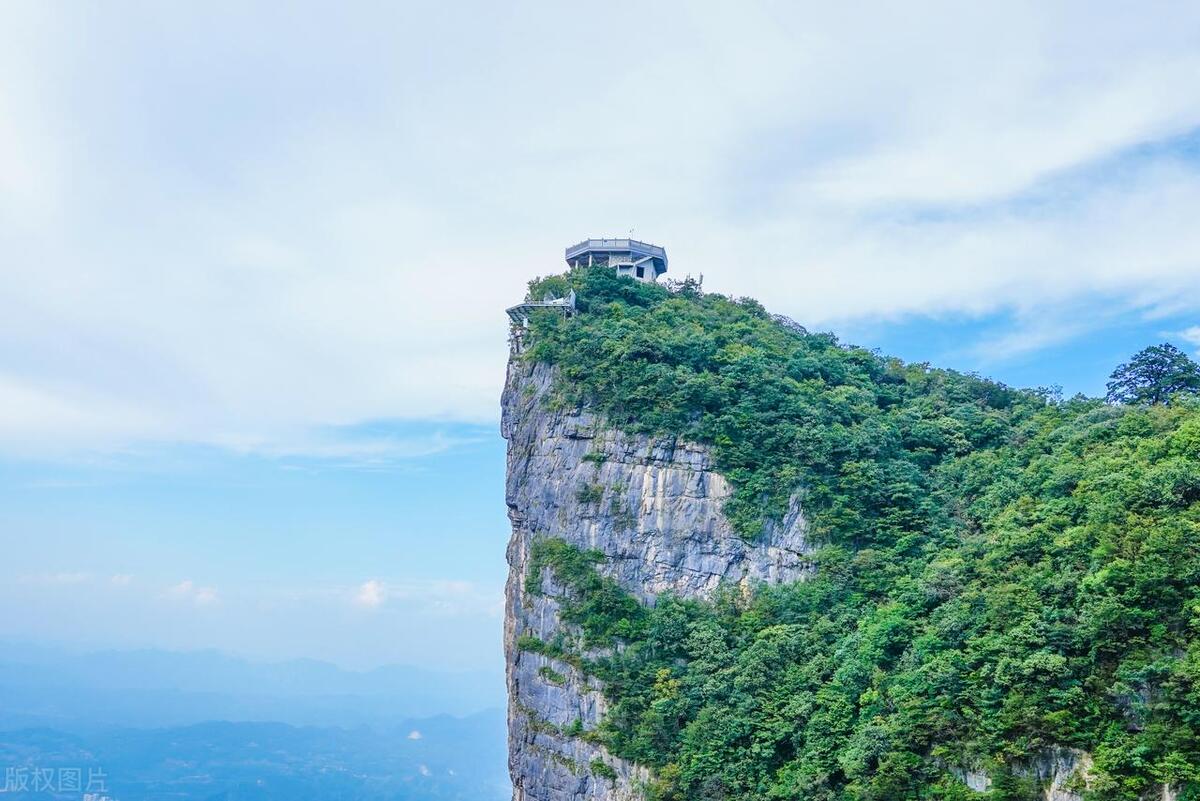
273,558
255,258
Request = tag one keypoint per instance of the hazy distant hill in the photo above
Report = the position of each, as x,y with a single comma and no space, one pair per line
455,759
58,688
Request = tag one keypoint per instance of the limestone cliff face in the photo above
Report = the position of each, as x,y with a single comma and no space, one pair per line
652,506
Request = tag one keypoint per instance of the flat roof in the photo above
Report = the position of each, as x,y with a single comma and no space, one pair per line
610,245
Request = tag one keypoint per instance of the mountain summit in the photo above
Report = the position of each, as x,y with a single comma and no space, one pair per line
751,562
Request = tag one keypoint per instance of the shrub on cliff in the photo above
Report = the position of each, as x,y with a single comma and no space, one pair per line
783,408
1000,571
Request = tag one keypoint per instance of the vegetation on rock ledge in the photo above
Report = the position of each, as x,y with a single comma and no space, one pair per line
1001,571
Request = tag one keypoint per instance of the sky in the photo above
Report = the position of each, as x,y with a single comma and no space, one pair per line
255,255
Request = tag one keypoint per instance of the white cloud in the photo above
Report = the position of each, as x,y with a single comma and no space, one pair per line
371,594
258,617
349,446
433,597
188,591
273,257
205,596
415,735
1032,336
43,415
1192,336
121,579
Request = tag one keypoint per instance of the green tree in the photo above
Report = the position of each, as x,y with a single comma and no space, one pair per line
997,572
1153,375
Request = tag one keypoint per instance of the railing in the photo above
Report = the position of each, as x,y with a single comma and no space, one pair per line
616,244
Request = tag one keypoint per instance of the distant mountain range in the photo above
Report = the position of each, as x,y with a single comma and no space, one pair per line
435,759
206,726
69,690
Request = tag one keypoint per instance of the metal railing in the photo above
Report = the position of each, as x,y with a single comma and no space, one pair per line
645,248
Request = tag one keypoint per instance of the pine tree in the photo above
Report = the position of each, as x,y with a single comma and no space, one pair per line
1153,376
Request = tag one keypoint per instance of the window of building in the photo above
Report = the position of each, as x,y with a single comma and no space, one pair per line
641,271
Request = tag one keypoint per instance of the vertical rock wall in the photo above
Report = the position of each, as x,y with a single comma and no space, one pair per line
652,506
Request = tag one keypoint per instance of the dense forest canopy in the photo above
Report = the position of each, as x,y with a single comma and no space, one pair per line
999,571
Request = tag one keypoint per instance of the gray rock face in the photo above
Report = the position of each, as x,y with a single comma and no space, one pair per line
652,506
1065,774
1062,773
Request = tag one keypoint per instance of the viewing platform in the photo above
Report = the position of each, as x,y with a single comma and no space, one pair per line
519,316
629,257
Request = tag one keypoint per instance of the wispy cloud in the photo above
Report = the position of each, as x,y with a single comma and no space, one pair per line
366,623
1191,336
187,591
68,578
369,445
430,596
274,257
370,594
1036,327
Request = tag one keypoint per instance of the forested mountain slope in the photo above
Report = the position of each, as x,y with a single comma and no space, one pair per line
1000,590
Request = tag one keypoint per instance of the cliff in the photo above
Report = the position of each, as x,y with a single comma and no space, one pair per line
652,507
998,586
